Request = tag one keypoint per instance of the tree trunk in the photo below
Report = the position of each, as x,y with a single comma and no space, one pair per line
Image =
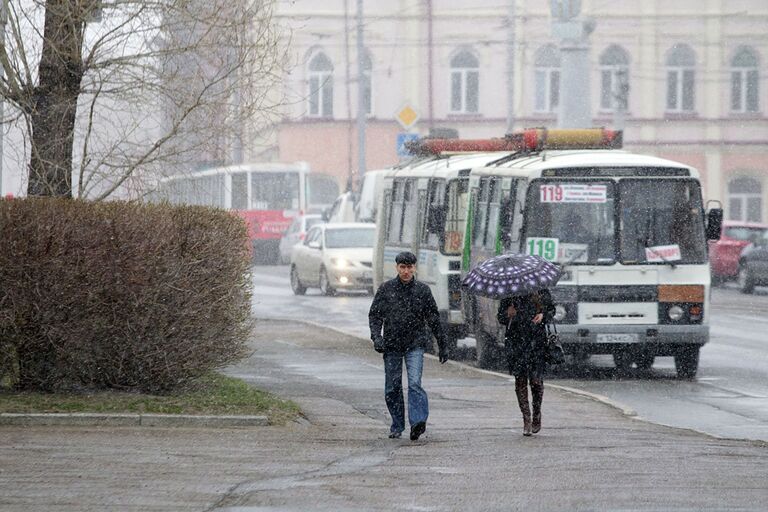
55,99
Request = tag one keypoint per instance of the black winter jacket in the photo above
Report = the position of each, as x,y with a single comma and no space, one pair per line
404,311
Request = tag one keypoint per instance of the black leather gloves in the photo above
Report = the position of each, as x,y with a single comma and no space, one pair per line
442,356
378,345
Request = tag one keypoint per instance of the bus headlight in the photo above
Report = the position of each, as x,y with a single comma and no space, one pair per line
559,313
675,313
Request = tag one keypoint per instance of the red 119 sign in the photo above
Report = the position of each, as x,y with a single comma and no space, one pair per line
550,194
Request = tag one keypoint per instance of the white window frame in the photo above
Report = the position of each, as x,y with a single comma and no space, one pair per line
320,83
679,72
743,198
545,76
744,75
614,73
463,74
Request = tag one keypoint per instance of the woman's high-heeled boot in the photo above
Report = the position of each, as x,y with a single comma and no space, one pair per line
537,394
522,400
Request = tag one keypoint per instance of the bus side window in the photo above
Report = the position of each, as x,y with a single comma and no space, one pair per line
410,208
396,212
240,191
509,207
494,206
481,215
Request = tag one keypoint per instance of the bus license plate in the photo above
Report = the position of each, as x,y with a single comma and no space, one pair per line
617,338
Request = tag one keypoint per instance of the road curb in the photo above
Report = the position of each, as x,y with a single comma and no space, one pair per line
130,420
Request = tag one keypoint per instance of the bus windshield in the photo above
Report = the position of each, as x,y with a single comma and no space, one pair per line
653,221
571,222
323,190
274,190
661,222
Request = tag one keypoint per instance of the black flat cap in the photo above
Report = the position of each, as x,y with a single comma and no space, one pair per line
406,258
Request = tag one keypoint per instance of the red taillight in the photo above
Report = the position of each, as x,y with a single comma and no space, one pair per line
302,235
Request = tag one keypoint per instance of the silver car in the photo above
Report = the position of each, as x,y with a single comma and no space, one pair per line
296,234
333,257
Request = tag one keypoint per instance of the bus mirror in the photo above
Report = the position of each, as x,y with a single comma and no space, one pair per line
436,219
714,223
326,214
314,244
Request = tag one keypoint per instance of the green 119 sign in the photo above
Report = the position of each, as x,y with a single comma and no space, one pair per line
545,247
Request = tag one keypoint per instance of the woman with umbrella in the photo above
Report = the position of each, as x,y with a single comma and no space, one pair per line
526,306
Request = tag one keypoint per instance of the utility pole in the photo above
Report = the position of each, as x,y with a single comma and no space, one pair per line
573,32
511,66
361,110
620,97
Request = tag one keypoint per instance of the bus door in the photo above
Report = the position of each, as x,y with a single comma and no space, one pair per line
485,231
432,231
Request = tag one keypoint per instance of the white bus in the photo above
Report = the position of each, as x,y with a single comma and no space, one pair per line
423,210
266,195
629,231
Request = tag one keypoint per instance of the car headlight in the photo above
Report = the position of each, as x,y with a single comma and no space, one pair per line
675,313
559,313
340,263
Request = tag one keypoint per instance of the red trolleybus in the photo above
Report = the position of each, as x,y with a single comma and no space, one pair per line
267,195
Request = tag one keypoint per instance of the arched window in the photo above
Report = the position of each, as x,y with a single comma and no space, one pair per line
744,81
745,199
366,82
320,71
465,83
681,62
614,78
547,79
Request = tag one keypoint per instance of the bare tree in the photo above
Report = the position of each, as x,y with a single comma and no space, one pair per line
115,92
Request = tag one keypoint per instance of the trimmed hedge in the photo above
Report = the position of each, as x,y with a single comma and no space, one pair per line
120,295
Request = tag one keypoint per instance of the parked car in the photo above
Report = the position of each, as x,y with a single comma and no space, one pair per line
333,257
724,253
753,264
296,233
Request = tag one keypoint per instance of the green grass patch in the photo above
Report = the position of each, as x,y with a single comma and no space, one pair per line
211,395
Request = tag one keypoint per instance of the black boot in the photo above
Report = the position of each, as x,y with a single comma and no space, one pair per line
537,393
521,389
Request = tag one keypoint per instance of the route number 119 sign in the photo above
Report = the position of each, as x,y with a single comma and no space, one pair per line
547,248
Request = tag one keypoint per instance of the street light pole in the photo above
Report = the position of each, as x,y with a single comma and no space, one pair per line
361,110
511,67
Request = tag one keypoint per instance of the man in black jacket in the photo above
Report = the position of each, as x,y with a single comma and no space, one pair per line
404,308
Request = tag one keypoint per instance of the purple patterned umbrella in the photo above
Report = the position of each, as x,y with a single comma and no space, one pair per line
506,275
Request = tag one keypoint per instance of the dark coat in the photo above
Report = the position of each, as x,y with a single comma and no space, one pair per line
525,341
404,311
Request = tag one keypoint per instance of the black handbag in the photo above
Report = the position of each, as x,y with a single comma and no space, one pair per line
553,351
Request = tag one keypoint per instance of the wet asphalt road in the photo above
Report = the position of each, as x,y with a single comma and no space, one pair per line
729,397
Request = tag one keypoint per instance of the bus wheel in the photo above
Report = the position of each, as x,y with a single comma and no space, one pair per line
488,354
325,286
622,360
746,283
687,361
296,286
644,361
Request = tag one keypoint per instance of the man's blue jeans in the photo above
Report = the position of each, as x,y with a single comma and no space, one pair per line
418,406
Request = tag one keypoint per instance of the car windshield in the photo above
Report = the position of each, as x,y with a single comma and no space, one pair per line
349,238
744,233
661,222
571,222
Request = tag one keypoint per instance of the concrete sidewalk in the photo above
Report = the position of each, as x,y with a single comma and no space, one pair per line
589,456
